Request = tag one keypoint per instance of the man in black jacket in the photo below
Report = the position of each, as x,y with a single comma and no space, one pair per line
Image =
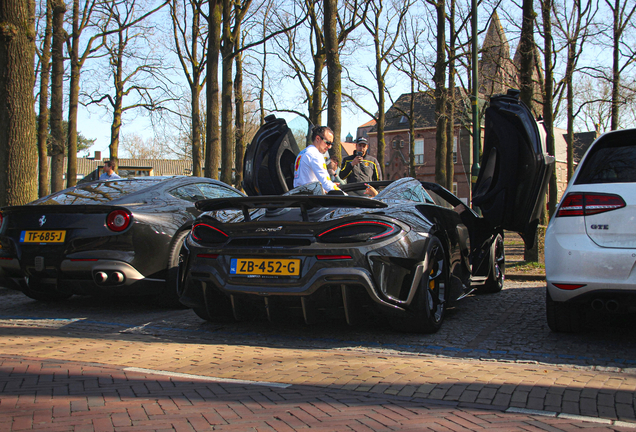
360,167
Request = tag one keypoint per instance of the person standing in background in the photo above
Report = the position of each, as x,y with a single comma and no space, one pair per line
360,166
109,171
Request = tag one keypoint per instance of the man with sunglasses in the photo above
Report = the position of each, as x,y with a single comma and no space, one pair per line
310,164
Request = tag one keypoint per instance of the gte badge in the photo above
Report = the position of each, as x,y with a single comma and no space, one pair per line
599,227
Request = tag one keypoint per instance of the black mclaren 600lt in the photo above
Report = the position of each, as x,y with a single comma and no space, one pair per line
406,254
121,237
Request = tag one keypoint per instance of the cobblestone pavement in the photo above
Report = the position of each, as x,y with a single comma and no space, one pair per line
494,364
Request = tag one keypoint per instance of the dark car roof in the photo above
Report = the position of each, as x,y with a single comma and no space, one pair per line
112,191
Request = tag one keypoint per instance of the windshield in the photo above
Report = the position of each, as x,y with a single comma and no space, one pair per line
97,192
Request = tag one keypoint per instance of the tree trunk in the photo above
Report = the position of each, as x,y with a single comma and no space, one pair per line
71,167
18,156
118,103
315,106
569,78
548,116
195,93
212,92
261,93
616,73
57,97
411,129
526,48
43,118
440,96
239,121
381,120
227,58
450,127
334,72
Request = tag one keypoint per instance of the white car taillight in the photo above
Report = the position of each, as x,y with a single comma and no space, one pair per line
587,204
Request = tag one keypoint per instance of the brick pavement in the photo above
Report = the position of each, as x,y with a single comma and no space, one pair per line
53,379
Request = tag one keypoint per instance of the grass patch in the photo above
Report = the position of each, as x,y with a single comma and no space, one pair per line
525,266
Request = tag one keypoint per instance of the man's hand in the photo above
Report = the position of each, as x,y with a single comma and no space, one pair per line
356,160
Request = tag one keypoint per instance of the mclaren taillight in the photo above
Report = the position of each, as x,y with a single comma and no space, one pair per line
587,204
207,234
360,231
118,220
333,257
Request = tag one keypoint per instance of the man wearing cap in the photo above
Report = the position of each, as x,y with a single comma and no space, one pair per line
360,167
310,164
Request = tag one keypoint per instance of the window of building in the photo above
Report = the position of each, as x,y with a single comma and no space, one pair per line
455,188
454,149
418,151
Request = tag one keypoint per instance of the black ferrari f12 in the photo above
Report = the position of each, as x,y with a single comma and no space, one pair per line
407,254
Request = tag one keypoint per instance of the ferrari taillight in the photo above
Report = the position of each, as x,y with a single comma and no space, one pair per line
1,220
205,233
359,231
587,204
118,220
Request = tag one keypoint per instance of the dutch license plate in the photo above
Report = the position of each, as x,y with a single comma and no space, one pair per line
42,236
268,267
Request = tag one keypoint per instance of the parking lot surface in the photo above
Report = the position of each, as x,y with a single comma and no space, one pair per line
135,366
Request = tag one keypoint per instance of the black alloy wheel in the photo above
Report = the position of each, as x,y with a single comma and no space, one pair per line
43,292
496,276
426,312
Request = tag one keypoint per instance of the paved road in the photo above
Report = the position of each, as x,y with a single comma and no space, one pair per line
494,363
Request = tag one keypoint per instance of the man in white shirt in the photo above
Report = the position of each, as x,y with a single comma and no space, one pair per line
310,164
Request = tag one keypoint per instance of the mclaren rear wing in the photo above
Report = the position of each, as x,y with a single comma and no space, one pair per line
304,202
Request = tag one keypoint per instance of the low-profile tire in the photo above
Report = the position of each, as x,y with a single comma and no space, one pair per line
216,307
496,276
202,313
43,292
426,312
175,278
564,317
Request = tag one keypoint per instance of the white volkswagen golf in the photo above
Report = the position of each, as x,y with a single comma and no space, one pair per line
590,243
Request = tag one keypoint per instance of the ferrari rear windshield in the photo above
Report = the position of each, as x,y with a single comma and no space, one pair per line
97,192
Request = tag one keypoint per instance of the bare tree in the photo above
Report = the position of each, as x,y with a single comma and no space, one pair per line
573,24
57,96
190,44
43,117
548,114
80,21
408,65
136,72
338,25
441,94
212,131
18,156
527,54
623,49
384,25
139,147
302,51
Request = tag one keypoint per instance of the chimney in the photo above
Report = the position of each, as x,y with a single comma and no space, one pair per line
98,155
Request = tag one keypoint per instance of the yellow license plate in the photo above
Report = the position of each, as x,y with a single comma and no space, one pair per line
270,267
43,236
